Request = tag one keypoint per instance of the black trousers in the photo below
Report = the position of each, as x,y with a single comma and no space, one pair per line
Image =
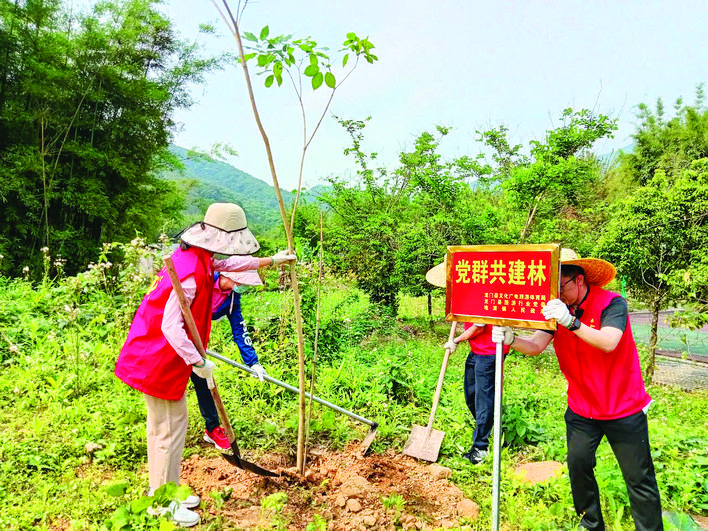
629,439
207,407
479,396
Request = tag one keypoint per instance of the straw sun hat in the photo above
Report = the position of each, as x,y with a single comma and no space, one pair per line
224,231
437,276
598,272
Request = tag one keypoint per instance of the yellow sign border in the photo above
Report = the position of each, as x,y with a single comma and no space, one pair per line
554,273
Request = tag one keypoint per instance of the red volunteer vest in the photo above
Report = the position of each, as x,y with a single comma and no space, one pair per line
601,385
482,344
147,362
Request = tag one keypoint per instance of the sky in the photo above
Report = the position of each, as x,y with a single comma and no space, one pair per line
468,64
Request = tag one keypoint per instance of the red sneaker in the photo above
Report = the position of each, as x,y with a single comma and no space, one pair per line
218,438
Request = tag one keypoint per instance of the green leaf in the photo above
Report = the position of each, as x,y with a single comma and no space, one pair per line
330,80
345,60
167,525
269,81
264,32
263,60
313,59
182,492
277,68
117,489
312,70
250,36
279,79
352,36
247,57
141,504
317,80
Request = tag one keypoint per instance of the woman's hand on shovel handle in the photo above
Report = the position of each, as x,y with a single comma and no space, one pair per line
205,370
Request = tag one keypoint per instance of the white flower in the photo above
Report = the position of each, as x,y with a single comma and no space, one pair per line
1,257
45,250
25,269
13,348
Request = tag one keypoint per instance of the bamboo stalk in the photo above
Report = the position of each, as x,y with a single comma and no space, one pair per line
317,334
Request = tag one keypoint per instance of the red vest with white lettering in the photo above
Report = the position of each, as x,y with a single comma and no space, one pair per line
147,362
601,385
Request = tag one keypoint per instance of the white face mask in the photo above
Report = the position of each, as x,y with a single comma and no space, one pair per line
242,288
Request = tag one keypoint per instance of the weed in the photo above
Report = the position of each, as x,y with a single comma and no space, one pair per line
220,497
318,524
272,506
393,502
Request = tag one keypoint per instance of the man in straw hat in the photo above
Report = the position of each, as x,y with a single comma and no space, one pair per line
158,355
226,302
479,374
606,395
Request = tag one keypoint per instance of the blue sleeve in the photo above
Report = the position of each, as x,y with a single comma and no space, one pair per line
240,332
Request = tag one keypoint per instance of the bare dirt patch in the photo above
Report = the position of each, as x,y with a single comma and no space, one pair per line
345,489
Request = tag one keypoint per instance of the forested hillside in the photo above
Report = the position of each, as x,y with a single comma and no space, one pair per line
209,180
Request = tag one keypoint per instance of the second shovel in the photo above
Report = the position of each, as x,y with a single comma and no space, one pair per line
424,442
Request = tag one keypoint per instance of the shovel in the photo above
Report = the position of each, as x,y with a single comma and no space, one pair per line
373,426
424,442
234,459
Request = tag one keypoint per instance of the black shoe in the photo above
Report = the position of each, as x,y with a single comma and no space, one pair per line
476,456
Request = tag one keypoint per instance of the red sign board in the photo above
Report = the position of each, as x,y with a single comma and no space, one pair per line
502,284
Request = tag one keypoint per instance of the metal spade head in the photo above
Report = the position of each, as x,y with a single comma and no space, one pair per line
424,443
236,460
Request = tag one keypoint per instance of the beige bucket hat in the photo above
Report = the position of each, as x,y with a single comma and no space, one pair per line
437,275
598,272
247,278
224,231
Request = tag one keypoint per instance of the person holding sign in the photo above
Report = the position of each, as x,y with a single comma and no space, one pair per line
479,385
480,372
606,396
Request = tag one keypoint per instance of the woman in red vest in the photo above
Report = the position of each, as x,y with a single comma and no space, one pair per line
606,395
158,356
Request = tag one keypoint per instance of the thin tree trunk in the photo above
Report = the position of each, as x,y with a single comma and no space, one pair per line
291,248
530,217
430,308
649,369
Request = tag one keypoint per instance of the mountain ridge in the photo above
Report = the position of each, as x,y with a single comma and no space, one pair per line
211,181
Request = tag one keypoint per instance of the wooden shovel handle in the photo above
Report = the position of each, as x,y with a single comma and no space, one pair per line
197,340
441,378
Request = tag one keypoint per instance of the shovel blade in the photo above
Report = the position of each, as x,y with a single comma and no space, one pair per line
247,465
423,444
366,443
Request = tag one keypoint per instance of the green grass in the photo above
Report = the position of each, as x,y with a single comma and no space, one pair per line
69,429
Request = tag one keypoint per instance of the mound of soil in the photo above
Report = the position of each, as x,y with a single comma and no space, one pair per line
345,489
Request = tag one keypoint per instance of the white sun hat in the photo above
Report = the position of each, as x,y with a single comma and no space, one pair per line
224,231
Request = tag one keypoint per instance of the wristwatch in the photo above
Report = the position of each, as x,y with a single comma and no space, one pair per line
574,325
